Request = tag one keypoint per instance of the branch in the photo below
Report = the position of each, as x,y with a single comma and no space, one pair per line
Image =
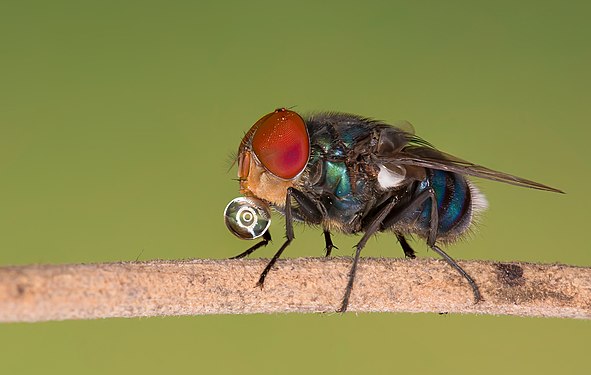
194,287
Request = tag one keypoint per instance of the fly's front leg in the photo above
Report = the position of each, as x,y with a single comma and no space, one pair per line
264,242
289,236
307,209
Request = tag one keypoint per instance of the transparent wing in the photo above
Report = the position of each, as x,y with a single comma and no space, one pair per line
420,153
405,126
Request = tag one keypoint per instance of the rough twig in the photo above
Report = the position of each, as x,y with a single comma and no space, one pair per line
195,287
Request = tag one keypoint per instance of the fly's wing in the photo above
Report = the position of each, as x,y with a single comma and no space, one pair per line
419,153
404,126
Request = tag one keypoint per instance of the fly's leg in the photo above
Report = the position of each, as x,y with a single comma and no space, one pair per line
328,242
307,209
451,262
408,251
373,226
431,242
312,213
416,204
264,242
288,238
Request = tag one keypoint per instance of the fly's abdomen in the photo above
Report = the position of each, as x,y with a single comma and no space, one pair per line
454,202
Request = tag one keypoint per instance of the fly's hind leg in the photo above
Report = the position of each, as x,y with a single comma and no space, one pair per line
413,206
457,267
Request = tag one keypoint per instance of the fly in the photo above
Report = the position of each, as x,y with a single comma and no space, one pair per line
352,174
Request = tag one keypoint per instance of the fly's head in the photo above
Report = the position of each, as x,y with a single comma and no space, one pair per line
272,155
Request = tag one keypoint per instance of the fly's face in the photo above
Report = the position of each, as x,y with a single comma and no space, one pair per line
272,155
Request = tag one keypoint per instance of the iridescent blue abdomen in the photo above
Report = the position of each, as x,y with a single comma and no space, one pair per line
454,202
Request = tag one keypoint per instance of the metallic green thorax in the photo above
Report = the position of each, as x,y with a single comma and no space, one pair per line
337,178
333,176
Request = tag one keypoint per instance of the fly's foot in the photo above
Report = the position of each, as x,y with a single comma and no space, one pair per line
328,249
328,243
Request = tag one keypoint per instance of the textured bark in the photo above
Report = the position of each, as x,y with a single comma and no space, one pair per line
195,287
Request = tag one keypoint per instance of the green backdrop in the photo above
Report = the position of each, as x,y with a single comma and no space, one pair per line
118,119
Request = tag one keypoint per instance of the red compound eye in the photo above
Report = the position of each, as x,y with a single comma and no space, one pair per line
281,143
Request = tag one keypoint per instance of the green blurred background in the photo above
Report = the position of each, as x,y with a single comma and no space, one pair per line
118,119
